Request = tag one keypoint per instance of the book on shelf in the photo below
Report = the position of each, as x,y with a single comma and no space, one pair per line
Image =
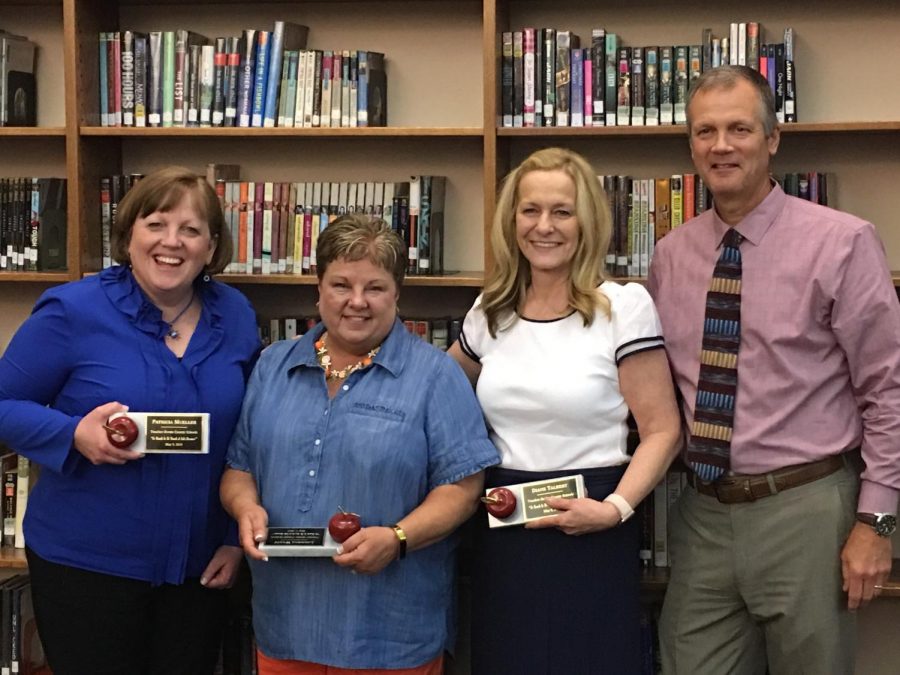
549,76
155,61
49,204
576,94
598,77
141,56
8,472
285,36
623,84
637,87
528,74
168,78
17,81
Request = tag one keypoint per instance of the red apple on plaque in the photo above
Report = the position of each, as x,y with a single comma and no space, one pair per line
343,525
500,502
122,431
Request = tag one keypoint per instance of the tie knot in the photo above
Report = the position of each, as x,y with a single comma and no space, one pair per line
732,238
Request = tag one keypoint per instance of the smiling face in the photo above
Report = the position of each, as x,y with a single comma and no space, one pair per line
729,145
358,304
547,229
168,250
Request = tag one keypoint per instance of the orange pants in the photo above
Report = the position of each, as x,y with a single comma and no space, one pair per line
270,666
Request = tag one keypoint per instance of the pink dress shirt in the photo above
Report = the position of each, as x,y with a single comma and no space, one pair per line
819,362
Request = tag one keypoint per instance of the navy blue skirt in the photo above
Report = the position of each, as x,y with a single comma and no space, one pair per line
546,603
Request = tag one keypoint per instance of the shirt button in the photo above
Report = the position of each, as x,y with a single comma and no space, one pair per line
318,441
312,472
326,412
346,387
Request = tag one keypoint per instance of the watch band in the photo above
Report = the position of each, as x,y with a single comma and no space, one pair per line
622,506
884,524
401,537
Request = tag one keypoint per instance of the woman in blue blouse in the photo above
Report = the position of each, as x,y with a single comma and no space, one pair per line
359,413
128,553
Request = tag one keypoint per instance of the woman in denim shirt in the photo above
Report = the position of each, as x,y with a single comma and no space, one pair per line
362,414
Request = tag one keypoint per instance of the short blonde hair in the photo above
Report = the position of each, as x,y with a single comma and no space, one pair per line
510,277
162,191
359,237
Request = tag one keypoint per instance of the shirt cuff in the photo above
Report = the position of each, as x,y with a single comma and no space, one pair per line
877,498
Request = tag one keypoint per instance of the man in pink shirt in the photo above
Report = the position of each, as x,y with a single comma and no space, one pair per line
771,560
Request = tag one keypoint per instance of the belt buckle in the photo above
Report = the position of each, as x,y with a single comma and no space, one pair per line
744,487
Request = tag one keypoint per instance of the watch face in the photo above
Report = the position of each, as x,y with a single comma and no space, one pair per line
885,525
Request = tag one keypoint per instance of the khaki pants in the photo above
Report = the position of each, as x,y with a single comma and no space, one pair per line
758,584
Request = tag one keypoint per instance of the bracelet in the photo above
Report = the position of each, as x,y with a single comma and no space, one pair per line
622,506
401,537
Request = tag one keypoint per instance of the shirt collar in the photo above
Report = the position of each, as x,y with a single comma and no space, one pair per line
125,293
391,356
756,223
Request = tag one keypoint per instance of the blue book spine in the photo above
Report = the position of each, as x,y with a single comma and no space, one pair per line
576,88
273,83
362,91
262,73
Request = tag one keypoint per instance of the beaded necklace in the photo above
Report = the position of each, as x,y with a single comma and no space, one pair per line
324,359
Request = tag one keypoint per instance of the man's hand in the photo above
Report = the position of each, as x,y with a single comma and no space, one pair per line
866,563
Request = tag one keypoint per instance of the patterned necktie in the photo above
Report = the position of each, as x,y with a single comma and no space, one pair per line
709,447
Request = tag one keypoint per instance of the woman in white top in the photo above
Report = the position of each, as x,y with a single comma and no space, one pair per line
559,356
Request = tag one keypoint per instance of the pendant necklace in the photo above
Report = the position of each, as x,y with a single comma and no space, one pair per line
324,359
172,332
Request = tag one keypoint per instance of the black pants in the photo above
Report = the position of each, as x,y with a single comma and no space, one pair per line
99,624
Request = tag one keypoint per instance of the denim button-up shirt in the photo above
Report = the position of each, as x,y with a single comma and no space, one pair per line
393,432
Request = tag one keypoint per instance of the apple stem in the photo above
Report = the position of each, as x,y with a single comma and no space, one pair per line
490,500
341,509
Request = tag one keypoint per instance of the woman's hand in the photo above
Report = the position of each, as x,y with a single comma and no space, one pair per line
369,551
91,439
578,516
221,571
253,528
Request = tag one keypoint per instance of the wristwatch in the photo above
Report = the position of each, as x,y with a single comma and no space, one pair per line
884,524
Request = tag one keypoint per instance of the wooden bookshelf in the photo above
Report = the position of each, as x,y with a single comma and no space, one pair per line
12,558
443,112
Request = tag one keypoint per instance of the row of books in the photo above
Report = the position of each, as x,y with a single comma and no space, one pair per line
441,332
32,224
260,79
275,225
547,79
644,210
17,81
21,650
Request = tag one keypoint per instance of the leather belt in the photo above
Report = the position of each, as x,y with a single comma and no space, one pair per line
738,488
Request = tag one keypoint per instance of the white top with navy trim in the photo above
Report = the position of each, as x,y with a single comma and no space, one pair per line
550,389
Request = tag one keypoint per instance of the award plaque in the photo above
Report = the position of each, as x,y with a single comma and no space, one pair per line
174,433
299,542
523,502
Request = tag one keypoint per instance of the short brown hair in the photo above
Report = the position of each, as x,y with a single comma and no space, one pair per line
162,191
727,77
358,237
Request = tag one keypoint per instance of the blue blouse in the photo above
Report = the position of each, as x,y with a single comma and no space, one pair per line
393,432
98,340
